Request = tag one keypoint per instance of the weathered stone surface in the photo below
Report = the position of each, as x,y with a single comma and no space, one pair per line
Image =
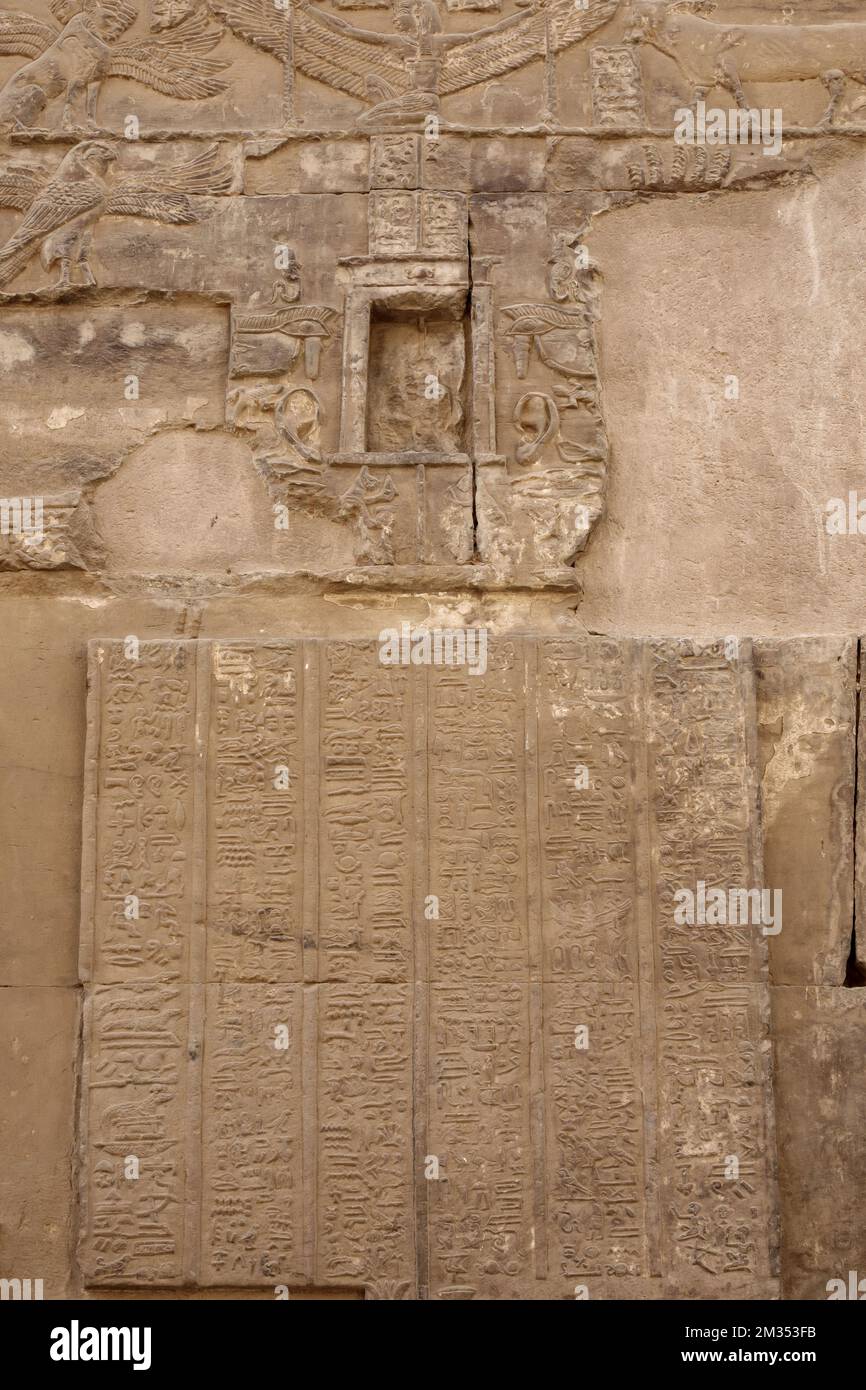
857,960
818,1035
37,1136
322,319
275,974
807,714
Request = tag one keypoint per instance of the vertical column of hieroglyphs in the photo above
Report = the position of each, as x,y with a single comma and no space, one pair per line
716,1145
365,1224
252,1113
479,1129
139,1087
600,1216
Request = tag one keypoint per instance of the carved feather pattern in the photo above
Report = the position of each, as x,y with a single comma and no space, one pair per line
283,320
337,59
173,63
57,205
206,174
364,68
19,185
698,7
538,318
257,21
164,193
148,202
21,33
480,59
344,62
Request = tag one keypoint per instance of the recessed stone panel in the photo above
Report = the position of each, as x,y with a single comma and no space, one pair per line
387,980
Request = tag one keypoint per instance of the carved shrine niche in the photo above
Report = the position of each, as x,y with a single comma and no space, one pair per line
344,923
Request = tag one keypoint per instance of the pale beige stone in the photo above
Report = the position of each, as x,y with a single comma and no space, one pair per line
818,1035
430,1121
807,729
433,321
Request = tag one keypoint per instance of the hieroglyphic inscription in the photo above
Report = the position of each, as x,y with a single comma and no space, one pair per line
617,90
477,829
378,955
138,886
711,1004
255,798
365,829
480,1213
432,223
595,1135
365,1229
365,941
137,1087
252,1140
480,1210
595,1117
142,907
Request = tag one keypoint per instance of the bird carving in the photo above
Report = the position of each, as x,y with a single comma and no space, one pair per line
62,211
74,56
406,72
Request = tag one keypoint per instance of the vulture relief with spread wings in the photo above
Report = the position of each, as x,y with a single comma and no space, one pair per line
405,73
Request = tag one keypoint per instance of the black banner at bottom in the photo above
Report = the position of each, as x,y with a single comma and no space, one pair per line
227,1335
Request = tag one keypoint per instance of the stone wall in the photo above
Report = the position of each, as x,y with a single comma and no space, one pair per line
319,321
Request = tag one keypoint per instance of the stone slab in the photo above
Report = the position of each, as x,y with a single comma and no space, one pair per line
807,714
819,1037
385,984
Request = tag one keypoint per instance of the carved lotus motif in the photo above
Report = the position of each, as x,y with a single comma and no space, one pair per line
381,1289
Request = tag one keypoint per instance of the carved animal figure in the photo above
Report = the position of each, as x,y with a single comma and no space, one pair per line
75,59
62,211
405,73
711,54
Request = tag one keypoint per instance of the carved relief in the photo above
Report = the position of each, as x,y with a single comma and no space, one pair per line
405,74
539,510
46,533
268,343
73,59
282,342
344,923
367,504
519,1161
61,212
709,53
617,91
698,170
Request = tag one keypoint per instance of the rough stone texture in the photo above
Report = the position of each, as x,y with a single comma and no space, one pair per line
292,1161
819,1033
305,332
807,726
37,1134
